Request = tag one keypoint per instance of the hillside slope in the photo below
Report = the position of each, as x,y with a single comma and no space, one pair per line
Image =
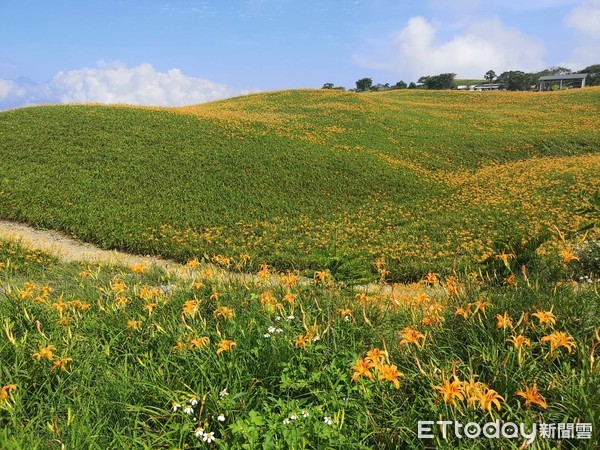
307,179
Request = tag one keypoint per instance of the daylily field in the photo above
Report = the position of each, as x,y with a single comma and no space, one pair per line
400,257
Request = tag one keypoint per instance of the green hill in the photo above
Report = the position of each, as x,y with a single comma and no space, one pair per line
307,179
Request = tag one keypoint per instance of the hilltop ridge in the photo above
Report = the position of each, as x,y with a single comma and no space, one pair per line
306,179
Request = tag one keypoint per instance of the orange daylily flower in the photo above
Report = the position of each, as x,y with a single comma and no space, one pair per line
451,391
190,307
264,272
302,341
431,278
139,268
568,256
289,279
199,342
480,305
223,312
519,341
150,307
505,257
412,336
346,313
45,352
6,391
225,346
487,398
375,357
532,396
193,263
504,321
511,280
362,368
134,325
546,318
61,363
389,372
460,311
471,387
559,339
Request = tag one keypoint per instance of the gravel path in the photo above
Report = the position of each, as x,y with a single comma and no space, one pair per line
71,250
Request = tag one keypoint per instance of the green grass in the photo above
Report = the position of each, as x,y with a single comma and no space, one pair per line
119,388
307,179
406,182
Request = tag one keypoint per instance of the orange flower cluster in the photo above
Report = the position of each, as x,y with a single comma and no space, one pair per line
473,391
375,366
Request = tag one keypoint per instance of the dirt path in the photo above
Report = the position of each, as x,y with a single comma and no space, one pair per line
70,250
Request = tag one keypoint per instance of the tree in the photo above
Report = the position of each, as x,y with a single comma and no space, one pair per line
516,80
423,79
412,85
593,78
554,70
364,84
328,86
400,85
490,76
441,81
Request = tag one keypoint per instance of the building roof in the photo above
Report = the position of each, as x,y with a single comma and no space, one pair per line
571,76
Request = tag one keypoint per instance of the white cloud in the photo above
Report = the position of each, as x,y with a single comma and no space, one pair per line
586,18
481,46
12,93
6,86
116,83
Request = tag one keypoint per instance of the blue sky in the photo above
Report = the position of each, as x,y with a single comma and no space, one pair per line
189,51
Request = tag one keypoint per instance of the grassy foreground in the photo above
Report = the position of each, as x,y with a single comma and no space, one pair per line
308,179
101,357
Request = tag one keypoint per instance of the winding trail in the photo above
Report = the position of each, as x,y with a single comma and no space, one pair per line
68,249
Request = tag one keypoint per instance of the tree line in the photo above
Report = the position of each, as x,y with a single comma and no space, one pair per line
513,80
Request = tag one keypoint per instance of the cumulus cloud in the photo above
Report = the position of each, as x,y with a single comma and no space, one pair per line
479,47
11,92
586,18
115,83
